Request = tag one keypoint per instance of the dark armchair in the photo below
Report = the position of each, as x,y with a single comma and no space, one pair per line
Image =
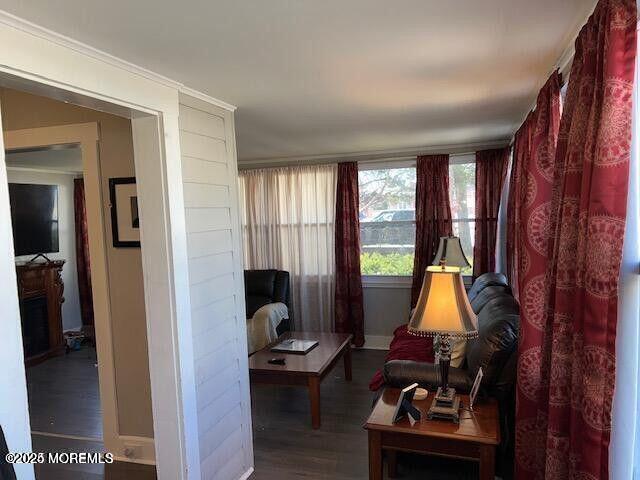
268,286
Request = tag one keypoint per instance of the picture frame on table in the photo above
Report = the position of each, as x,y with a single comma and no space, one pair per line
125,218
404,406
475,388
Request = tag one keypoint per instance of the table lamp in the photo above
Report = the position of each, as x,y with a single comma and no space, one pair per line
450,253
443,310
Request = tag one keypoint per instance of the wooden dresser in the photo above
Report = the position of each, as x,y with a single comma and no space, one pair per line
40,291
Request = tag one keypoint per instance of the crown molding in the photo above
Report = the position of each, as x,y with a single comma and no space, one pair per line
26,26
206,98
375,155
30,28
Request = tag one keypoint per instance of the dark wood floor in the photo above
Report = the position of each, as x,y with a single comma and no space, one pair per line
64,395
64,402
286,447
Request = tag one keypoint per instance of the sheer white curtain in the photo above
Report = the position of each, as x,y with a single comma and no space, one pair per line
288,220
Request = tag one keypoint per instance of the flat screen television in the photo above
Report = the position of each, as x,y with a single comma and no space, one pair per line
34,216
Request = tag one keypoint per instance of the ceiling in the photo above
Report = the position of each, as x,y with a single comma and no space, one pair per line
329,77
64,160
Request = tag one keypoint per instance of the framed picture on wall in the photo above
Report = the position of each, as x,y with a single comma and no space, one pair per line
125,222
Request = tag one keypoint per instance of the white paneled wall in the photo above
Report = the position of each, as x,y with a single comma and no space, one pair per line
207,143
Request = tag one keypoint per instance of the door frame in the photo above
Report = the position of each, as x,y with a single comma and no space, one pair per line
42,63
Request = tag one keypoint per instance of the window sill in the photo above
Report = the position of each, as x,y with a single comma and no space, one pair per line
386,281
403,282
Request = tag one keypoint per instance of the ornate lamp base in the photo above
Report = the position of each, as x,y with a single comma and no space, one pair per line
446,404
445,410
445,397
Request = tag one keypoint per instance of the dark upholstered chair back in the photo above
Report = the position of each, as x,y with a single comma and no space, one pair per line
487,294
266,286
498,325
491,279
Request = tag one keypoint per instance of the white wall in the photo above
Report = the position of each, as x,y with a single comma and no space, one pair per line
385,308
71,316
209,172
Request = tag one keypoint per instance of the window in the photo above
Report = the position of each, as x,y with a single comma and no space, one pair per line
387,221
462,196
388,218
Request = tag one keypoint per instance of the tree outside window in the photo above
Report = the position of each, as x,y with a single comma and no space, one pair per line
462,196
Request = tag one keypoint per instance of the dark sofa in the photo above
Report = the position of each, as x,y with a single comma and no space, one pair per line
495,350
262,287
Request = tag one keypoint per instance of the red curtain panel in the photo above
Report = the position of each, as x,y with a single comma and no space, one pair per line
83,264
521,152
349,316
491,170
538,139
433,214
565,381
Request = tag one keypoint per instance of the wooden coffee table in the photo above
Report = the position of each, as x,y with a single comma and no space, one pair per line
474,438
303,370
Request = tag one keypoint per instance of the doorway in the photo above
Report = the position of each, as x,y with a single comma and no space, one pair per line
88,388
55,71
46,196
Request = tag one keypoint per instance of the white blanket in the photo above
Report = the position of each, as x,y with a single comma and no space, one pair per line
261,329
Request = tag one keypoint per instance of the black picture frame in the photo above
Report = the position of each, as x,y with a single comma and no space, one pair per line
113,183
404,406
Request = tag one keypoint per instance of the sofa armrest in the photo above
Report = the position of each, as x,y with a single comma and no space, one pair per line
401,373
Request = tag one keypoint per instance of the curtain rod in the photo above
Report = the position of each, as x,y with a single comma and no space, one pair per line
374,161
372,158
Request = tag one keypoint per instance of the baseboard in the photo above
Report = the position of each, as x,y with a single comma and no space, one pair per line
67,437
246,474
79,329
140,461
377,342
136,450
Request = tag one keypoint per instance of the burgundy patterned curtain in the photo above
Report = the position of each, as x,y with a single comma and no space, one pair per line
537,171
433,214
491,170
521,152
348,295
83,264
565,382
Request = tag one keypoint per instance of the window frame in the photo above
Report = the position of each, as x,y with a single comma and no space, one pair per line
402,281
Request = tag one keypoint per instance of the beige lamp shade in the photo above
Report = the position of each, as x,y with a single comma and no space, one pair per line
450,253
443,306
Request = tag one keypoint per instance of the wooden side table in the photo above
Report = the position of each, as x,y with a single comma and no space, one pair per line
303,370
475,438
